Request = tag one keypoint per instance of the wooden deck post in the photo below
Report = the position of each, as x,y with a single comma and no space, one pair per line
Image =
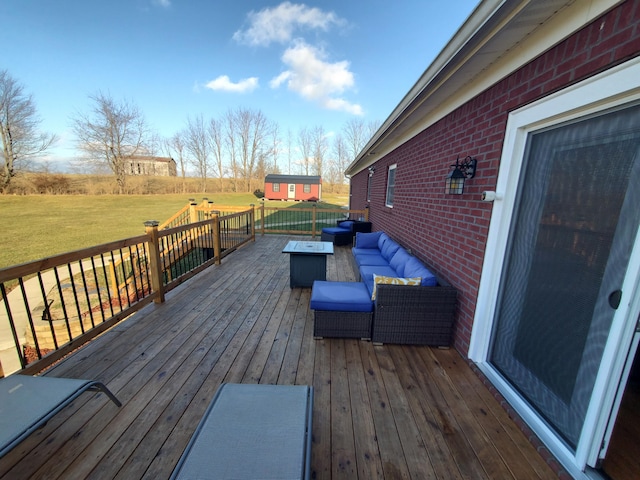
193,213
252,221
215,219
313,220
155,265
262,218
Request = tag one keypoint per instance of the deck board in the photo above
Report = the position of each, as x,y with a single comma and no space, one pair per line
385,412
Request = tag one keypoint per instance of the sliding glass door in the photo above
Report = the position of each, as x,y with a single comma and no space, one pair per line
576,220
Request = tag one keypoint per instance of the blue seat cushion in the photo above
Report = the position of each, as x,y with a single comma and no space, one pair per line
364,251
336,231
340,297
367,259
367,271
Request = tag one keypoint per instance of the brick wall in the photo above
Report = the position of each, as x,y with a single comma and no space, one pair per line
449,232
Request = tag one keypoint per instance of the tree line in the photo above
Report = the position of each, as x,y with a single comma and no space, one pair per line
239,146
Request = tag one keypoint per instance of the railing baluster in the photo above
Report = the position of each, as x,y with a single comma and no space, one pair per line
98,288
12,325
27,309
62,302
75,298
86,293
47,312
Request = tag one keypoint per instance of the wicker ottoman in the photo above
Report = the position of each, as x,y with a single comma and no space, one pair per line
341,310
336,235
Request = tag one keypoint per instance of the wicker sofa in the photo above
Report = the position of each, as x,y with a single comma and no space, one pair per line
422,314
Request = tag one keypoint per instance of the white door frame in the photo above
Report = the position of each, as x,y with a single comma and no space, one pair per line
615,87
291,192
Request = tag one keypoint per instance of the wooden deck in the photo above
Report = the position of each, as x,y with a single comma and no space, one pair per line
380,411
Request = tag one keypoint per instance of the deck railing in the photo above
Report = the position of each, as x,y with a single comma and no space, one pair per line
296,219
52,306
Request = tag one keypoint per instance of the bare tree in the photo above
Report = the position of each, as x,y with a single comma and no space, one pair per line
111,133
357,133
230,141
289,148
18,129
175,147
252,141
199,147
342,159
319,148
275,148
304,143
216,137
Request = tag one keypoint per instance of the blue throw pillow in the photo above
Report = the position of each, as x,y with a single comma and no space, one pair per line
367,240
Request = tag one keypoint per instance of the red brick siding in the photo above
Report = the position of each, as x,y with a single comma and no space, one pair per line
449,232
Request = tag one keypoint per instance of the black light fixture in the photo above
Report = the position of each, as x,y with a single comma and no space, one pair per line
461,171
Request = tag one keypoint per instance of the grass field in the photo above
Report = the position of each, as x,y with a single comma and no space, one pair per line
38,226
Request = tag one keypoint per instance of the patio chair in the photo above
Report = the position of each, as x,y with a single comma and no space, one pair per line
252,431
27,403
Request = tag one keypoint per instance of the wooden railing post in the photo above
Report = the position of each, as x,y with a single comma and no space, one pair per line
155,265
252,222
366,213
193,212
262,219
215,218
313,220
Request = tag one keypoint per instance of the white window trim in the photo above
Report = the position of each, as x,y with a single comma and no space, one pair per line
393,167
617,86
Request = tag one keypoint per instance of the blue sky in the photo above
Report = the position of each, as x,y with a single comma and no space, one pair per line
318,63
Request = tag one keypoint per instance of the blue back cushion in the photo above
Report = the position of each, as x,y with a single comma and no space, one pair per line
415,268
398,262
367,240
383,238
389,249
346,224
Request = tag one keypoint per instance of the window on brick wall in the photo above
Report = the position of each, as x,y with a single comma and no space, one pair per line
391,185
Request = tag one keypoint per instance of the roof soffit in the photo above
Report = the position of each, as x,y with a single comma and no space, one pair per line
496,39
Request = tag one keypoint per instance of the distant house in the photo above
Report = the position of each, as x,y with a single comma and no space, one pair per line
293,187
153,166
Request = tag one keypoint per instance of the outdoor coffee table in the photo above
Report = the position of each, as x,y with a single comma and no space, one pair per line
307,262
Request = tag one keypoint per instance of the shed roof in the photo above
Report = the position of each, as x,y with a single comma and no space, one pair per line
310,179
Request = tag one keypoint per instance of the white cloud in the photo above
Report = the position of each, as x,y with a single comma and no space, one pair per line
162,3
278,24
223,83
315,79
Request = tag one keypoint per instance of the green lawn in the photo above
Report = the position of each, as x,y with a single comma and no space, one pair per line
34,227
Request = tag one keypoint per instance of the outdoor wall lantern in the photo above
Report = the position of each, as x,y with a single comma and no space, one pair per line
371,171
461,171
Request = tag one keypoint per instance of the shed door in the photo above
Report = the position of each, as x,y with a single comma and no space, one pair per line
291,191
576,222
